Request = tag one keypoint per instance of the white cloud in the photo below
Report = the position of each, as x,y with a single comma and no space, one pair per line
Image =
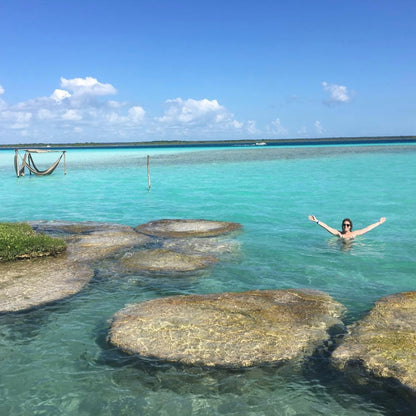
16,119
198,118
3,104
60,95
192,111
318,127
87,86
77,110
237,124
72,115
114,104
136,114
251,127
338,94
275,128
115,118
44,114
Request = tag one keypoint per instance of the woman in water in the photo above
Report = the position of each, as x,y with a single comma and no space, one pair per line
346,227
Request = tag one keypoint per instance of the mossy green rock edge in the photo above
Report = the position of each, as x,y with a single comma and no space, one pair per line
382,345
20,241
26,284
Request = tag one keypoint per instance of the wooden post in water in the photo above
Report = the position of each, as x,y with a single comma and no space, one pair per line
148,172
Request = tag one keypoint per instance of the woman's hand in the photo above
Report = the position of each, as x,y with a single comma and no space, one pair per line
312,218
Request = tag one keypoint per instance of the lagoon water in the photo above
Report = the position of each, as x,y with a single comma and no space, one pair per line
55,360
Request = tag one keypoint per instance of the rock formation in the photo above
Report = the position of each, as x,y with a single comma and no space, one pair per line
163,261
26,284
186,228
228,329
383,343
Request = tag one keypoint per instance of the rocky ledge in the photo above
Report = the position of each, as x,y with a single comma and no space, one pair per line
162,261
177,228
383,344
228,329
92,240
26,284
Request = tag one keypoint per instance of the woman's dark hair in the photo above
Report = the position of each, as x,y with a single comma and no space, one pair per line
347,219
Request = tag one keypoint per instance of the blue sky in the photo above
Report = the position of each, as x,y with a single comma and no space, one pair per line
80,71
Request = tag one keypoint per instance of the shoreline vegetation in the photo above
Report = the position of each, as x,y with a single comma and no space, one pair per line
19,241
219,143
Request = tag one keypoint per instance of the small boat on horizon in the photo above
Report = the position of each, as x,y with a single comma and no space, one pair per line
261,144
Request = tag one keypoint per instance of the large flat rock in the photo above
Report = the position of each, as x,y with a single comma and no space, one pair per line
89,241
26,284
209,246
101,244
383,344
162,261
177,228
57,227
228,329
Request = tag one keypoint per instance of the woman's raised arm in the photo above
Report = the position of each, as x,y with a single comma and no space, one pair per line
331,230
370,227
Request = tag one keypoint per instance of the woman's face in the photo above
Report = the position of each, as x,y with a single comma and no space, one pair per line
346,225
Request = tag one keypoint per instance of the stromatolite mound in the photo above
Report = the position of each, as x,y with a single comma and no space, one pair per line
212,246
165,261
101,244
187,228
383,344
29,283
26,284
92,240
228,329
54,227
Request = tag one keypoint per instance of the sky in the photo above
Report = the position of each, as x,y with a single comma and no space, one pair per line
132,70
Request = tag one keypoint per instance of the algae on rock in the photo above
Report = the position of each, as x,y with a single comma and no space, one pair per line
383,343
228,329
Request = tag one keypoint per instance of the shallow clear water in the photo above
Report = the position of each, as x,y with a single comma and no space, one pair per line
55,360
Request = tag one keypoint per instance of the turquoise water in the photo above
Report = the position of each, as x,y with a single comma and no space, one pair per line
55,360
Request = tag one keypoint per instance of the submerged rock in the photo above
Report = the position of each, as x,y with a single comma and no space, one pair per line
214,246
100,244
92,240
72,227
187,228
165,261
26,284
383,344
228,329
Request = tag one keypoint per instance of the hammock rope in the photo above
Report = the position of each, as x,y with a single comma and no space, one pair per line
28,162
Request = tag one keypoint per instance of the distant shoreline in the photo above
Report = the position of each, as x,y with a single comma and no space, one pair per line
219,143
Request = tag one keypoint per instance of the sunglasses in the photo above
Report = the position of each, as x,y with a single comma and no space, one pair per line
346,225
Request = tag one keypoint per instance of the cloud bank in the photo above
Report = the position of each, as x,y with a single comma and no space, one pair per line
80,110
84,110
